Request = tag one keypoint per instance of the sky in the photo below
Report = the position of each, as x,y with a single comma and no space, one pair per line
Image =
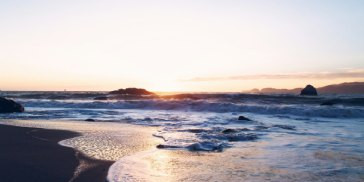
180,45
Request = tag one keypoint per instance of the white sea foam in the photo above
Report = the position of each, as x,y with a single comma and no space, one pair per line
134,169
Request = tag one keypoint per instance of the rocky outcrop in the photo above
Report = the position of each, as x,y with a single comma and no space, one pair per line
132,91
243,118
9,106
309,90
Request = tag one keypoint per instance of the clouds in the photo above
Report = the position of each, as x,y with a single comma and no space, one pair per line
353,73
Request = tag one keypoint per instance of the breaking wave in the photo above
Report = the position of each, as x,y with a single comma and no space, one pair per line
310,110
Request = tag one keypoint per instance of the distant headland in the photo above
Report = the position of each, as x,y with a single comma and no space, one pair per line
343,88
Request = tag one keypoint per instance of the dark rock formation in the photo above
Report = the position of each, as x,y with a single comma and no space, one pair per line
162,146
196,130
243,118
229,130
226,131
89,120
9,106
132,91
309,90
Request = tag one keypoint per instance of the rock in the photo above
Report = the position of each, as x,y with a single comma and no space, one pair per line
90,120
309,90
9,106
206,146
162,146
196,130
226,131
132,91
243,118
148,119
229,130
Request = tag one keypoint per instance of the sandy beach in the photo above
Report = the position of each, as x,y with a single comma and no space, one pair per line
33,154
33,151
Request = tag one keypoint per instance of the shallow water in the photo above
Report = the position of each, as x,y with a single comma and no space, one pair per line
312,152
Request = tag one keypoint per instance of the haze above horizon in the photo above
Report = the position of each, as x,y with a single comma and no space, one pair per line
198,45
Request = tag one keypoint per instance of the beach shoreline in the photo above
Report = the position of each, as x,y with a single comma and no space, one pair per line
275,156
33,154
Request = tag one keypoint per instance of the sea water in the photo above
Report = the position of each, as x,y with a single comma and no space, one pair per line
287,137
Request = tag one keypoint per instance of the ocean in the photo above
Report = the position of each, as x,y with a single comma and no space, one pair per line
299,138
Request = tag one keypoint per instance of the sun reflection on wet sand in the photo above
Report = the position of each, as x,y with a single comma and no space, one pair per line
250,161
182,165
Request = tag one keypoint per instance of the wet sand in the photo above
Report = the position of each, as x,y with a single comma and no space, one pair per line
34,155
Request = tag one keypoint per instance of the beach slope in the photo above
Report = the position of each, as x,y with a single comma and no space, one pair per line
34,155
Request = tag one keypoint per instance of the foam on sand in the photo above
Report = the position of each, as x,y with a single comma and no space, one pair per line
104,141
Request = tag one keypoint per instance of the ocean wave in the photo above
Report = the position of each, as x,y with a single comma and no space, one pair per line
307,110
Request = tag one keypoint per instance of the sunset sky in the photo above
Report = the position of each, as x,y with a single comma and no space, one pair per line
179,45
